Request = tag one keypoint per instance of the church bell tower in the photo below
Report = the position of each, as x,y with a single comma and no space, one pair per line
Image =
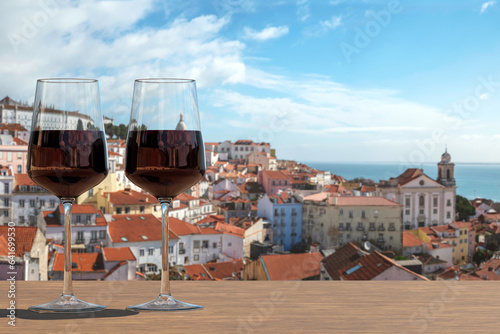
446,170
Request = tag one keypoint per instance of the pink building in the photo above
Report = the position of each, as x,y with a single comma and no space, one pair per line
274,181
14,155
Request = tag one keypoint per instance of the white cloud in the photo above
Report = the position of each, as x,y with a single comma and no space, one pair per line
265,34
486,5
303,11
332,24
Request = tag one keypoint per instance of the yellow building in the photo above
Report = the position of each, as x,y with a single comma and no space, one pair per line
127,202
109,184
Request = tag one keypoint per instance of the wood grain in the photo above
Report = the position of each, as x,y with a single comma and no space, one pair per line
268,307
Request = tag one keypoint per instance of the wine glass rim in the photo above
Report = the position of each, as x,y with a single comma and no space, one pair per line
67,80
165,80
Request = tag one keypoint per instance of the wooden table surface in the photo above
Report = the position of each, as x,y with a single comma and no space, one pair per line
267,307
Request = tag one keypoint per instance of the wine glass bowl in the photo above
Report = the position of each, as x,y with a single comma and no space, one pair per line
165,156
67,155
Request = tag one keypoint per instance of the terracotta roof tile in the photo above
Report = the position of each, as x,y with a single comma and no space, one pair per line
341,258
292,266
224,270
88,262
136,228
24,239
410,240
130,197
118,254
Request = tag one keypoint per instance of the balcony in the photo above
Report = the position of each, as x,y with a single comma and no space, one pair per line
392,229
341,228
380,240
182,251
93,240
360,228
381,228
79,241
372,228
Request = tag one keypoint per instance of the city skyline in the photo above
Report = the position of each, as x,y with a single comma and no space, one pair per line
321,81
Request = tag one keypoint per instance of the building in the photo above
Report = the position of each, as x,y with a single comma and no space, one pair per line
16,112
262,158
13,153
237,208
29,200
335,221
274,181
30,254
6,185
260,231
127,202
88,231
226,271
285,213
190,209
426,202
142,234
342,257
284,267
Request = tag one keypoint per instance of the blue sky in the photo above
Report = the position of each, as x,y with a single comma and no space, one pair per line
320,80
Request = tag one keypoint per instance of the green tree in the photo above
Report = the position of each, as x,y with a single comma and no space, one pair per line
464,208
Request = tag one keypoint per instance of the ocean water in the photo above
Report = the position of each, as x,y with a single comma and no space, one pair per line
473,179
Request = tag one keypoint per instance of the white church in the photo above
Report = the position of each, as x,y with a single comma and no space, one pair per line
426,202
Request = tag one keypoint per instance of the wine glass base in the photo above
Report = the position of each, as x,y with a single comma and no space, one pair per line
67,304
164,303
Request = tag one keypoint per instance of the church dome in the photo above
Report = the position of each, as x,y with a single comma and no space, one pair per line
446,157
181,125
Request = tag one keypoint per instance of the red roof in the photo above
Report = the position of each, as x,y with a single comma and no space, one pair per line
230,229
180,227
409,240
117,254
19,141
185,197
22,180
341,258
275,174
130,197
136,228
288,267
114,153
81,209
224,270
366,267
197,272
24,239
89,262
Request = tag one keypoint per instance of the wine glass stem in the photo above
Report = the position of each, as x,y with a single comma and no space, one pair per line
68,283
165,267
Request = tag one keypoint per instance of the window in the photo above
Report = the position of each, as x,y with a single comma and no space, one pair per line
42,203
52,203
276,212
186,259
94,235
407,202
141,209
78,218
348,226
392,227
141,252
214,245
127,210
372,226
32,203
196,257
236,148
229,244
9,156
91,192
348,236
375,214
151,251
19,155
118,211
6,213
6,188
435,201
350,214
170,249
421,201
79,236
152,267
89,218
341,212
196,244
102,234
363,214
19,168
21,203
205,244
448,215
448,202
6,201
407,212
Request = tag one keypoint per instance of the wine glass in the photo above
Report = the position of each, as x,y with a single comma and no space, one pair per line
67,155
165,156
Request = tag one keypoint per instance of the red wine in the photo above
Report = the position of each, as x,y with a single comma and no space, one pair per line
165,162
67,163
